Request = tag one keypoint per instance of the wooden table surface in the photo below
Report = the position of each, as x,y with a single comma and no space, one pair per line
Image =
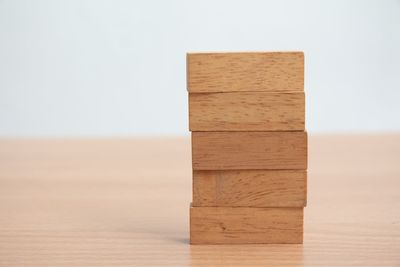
125,202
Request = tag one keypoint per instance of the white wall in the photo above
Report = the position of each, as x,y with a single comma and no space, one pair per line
71,68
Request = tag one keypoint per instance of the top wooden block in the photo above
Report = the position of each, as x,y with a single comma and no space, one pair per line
245,72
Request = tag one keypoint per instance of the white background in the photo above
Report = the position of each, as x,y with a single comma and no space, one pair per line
117,68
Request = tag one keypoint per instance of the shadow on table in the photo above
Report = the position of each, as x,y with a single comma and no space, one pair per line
246,255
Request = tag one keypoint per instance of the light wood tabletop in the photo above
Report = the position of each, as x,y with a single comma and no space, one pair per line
125,202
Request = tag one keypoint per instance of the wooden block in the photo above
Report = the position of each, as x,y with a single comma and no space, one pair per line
249,150
229,225
250,188
240,72
246,111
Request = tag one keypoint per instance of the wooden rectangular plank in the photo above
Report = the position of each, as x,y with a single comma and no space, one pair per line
244,225
247,71
250,188
246,111
249,150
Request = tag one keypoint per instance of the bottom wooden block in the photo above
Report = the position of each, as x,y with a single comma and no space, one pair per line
243,225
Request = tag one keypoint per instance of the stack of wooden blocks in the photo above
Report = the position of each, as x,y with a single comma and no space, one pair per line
249,147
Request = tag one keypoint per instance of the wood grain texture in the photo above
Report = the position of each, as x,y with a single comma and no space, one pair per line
249,150
233,72
124,202
250,188
228,225
246,111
